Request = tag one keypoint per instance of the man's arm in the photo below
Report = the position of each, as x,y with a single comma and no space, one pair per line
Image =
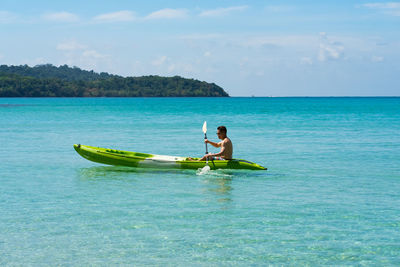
212,143
220,153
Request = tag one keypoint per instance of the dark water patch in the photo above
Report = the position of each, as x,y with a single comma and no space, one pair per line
13,105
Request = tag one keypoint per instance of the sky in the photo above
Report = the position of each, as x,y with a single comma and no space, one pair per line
249,48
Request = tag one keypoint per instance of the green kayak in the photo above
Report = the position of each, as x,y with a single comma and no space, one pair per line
143,160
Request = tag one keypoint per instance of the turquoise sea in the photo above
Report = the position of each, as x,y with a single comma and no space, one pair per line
331,195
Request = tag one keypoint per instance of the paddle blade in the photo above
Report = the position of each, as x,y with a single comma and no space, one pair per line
205,127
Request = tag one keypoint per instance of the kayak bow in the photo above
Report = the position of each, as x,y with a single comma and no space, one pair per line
143,160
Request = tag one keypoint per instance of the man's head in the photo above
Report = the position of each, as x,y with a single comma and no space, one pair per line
221,132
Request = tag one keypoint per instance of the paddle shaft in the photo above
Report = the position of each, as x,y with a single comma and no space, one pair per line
205,137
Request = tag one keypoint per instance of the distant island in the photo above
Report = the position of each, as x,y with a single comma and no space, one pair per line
64,81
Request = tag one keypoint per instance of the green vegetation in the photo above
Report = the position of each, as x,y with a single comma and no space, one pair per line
50,81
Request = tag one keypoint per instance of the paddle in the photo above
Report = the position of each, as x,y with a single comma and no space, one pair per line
205,137
205,134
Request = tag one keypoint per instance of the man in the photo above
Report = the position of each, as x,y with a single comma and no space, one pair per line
225,145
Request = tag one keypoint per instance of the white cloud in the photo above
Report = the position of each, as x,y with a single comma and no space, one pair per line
221,11
279,9
171,68
390,5
120,16
92,54
306,61
61,17
207,54
244,61
76,54
276,42
329,50
7,17
377,59
80,55
260,73
197,37
186,68
262,42
168,13
323,36
159,61
165,65
390,8
70,46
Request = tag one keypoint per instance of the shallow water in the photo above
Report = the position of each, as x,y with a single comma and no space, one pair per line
330,195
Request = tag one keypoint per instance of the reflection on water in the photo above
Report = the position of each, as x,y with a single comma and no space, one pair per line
218,183
120,172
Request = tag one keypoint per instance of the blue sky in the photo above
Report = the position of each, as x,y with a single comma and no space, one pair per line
260,48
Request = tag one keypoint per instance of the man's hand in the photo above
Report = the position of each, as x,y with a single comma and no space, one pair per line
206,141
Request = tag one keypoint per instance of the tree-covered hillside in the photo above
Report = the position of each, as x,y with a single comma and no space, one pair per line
50,81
